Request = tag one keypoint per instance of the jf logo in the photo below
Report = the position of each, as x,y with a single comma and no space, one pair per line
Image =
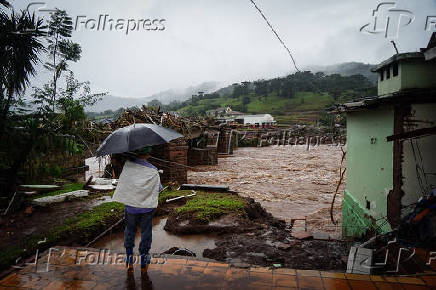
388,21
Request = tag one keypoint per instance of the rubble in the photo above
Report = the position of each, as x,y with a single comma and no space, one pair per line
189,127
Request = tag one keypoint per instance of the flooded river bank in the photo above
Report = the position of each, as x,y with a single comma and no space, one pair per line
289,181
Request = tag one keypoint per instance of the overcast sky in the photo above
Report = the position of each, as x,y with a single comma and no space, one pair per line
227,40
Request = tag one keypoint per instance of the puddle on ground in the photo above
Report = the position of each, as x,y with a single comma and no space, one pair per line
162,240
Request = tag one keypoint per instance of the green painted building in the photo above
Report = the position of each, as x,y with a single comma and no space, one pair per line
391,145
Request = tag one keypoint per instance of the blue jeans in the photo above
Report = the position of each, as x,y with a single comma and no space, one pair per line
145,220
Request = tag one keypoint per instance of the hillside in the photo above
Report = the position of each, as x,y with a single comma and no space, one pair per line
347,69
110,102
298,98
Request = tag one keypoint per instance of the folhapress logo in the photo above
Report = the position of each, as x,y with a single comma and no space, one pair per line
103,22
107,23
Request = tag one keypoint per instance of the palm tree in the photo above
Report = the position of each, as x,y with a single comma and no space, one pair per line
5,3
20,44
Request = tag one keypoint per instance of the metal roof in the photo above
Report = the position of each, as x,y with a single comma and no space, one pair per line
398,57
411,96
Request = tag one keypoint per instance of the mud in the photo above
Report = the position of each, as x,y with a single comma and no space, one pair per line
20,225
230,223
271,246
289,181
257,238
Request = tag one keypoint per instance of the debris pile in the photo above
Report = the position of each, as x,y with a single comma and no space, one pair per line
190,127
407,249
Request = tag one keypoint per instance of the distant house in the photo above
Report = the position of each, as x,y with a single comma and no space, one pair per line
227,115
219,112
261,120
391,144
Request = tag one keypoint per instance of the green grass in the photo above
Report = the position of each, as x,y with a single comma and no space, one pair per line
298,118
66,188
272,104
205,207
303,101
84,226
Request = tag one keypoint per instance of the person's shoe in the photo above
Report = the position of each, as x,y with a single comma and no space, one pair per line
145,261
129,258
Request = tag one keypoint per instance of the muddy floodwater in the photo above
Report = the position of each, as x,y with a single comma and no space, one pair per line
288,181
162,240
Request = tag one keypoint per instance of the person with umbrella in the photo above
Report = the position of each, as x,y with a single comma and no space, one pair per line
138,188
139,183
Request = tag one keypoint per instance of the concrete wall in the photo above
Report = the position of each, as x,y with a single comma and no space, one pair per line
203,156
412,74
422,116
369,169
388,86
418,75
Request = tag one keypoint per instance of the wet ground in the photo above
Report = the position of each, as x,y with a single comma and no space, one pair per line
288,181
257,239
20,225
72,268
162,240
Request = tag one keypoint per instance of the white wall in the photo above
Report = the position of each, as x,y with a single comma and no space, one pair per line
96,166
253,119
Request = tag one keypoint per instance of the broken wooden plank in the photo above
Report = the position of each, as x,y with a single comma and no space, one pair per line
102,187
180,197
412,134
205,187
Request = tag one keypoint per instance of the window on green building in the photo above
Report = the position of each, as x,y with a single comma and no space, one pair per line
388,72
381,75
395,69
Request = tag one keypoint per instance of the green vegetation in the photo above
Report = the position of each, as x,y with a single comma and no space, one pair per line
282,97
66,188
34,139
205,207
82,227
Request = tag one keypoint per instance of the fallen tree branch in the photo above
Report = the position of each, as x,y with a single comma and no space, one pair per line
341,178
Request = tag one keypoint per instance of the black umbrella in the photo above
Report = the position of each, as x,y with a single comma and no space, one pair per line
135,137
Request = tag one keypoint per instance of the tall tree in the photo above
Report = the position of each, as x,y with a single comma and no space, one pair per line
20,45
61,49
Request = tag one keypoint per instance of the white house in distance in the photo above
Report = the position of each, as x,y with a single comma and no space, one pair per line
260,120
227,115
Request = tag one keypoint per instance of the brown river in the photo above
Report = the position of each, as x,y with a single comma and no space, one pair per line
289,181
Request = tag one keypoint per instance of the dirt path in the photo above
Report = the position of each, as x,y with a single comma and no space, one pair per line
289,182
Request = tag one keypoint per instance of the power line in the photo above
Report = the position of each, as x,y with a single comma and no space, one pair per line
276,34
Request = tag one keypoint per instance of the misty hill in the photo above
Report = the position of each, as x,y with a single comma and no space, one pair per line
110,102
347,69
297,98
